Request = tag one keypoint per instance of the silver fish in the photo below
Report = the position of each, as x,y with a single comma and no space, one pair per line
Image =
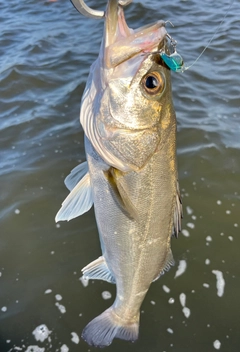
131,172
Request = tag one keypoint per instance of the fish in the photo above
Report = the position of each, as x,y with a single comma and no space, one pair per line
130,175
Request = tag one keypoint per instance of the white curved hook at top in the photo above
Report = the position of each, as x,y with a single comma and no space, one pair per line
88,12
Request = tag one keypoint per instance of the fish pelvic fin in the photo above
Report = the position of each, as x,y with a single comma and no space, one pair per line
104,328
78,202
76,175
169,262
98,269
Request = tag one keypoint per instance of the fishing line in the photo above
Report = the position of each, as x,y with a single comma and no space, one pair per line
184,68
174,60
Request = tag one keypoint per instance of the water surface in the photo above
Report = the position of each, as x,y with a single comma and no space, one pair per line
46,50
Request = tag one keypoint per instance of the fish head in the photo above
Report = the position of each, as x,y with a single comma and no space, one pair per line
127,105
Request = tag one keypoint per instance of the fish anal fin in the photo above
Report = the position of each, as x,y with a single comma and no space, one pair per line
98,270
169,262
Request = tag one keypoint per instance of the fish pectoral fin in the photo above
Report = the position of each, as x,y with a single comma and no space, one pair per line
78,202
169,262
178,214
98,269
122,195
76,175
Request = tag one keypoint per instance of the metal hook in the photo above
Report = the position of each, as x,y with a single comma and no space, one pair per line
88,12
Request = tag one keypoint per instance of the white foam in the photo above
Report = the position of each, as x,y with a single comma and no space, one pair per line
185,233
186,312
48,291
58,297
190,225
41,333
182,299
64,348
209,238
106,295
181,268
17,211
219,202
84,281
35,349
189,210
166,289
220,282
61,308
217,344
4,309
75,337
207,261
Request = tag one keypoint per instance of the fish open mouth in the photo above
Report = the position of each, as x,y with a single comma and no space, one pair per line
122,43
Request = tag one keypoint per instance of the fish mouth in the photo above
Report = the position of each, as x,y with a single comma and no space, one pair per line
122,43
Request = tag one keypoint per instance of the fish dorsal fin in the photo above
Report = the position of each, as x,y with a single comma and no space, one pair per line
169,262
78,202
178,214
76,175
98,270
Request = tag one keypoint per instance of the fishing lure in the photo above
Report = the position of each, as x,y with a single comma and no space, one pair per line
174,61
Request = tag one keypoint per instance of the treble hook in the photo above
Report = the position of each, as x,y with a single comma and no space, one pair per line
88,12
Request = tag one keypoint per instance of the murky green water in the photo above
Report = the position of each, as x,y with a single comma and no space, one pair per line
46,50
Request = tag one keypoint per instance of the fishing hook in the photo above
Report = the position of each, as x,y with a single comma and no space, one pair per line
88,12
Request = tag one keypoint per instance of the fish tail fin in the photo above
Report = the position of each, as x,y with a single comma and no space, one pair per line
104,328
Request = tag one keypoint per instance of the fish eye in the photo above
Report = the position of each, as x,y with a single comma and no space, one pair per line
153,83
